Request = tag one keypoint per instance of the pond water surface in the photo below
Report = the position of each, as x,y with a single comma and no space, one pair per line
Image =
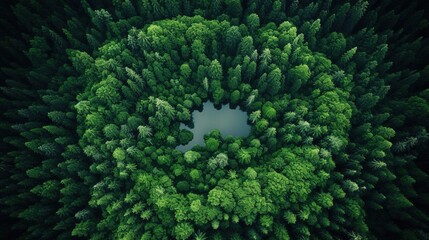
230,122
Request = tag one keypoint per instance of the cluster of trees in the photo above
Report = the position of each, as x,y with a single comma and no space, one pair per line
94,94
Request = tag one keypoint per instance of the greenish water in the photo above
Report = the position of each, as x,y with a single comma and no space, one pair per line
230,122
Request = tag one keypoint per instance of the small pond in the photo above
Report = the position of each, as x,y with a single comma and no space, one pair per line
230,122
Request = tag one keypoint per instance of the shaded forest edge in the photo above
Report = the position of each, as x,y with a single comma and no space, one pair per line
387,96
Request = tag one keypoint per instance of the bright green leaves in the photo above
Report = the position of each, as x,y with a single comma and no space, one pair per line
105,113
347,56
212,144
83,228
195,174
164,160
215,71
232,39
234,77
111,131
266,223
253,22
164,109
297,76
249,201
274,81
198,52
191,156
244,200
250,173
101,18
296,180
235,97
244,156
108,94
185,70
289,217
334,143
81,60
325,200
261,125
196,205
119,154
221,197
269,112
144,131
220,161
183,231
217,91
254,116
199,31
246,47
333,111
277,187
324,82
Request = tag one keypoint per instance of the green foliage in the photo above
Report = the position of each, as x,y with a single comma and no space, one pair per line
94,94
185,136
183,231
119,154
212,144
195,174
144,131
253,22
191,156
274,81
269,112
297,76
232,38
250,173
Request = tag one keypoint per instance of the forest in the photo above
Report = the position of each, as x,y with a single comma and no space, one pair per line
93,94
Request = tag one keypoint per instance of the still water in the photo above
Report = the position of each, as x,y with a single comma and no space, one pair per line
230,122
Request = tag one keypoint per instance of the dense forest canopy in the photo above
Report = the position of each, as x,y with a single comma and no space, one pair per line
94,92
